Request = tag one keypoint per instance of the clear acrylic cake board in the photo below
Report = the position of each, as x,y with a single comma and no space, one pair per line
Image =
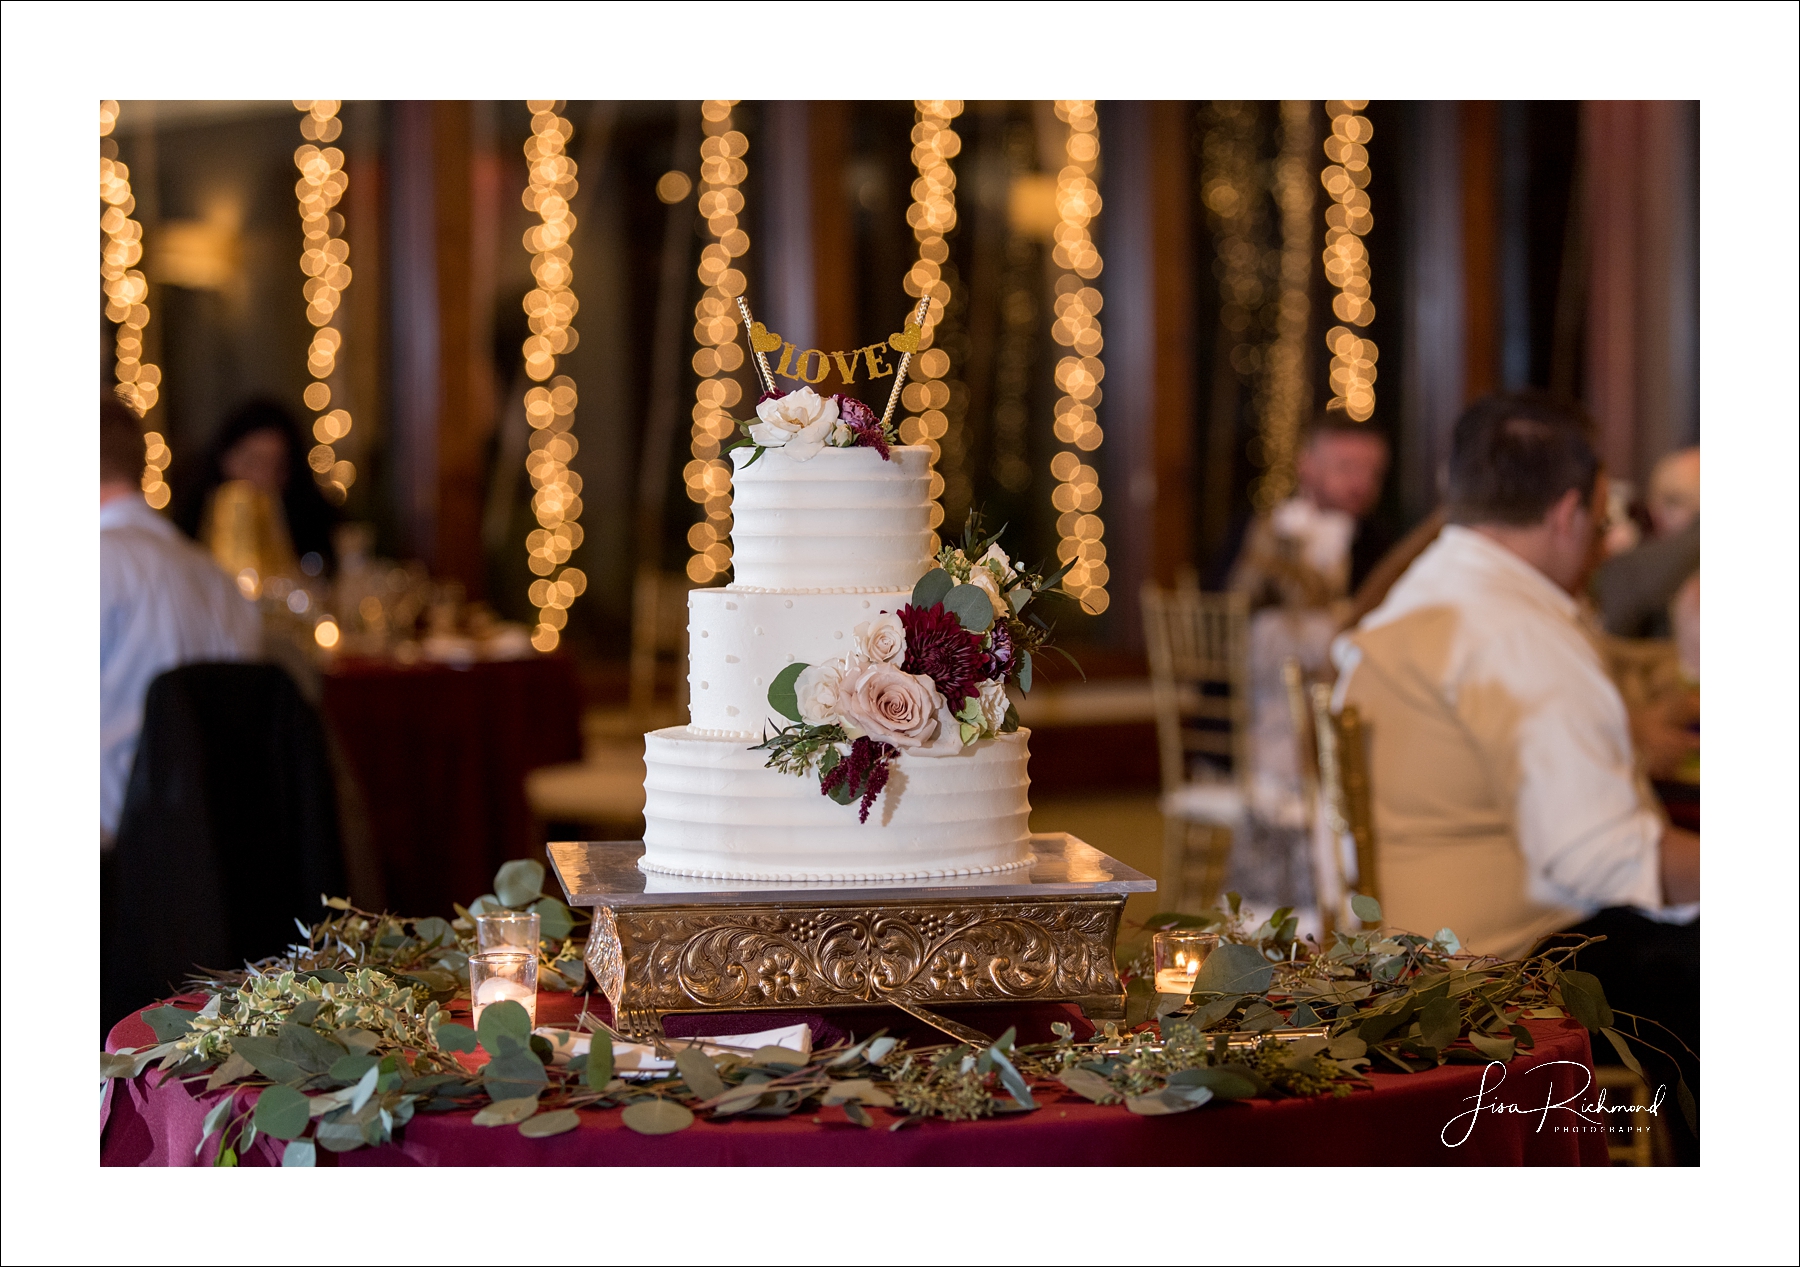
663,944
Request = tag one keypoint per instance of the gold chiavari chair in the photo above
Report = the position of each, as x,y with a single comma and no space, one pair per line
1198,648
1345,799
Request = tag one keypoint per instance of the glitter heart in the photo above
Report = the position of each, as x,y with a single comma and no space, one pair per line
762,340
907,340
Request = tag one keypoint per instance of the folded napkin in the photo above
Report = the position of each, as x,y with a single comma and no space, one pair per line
639,1060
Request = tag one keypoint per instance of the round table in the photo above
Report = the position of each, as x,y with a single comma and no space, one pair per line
1404,1120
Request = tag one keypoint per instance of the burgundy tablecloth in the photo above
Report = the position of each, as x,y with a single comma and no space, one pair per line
1402,1122
440,755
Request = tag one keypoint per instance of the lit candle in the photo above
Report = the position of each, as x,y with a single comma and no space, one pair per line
1178,958
496,976
498,990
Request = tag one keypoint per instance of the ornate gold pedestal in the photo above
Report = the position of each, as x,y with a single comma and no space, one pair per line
663,944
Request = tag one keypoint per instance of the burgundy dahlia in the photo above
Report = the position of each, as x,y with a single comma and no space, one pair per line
997,660
770,396
862,421
939,647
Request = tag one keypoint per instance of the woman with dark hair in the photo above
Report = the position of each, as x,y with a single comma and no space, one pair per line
261,444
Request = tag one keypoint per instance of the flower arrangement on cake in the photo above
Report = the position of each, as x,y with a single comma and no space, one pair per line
928,680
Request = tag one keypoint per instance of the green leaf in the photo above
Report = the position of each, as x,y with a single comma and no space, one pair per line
308,1048
1011,1079
554,1122
1617,1040
338,1133
516,1074
930,589
519,882
1226,1084
1439,1022
657,1117
1585,1000
116,1066
1234,969
970,605
214,1120
599,1068
304,1014
1025,672
1169,1100
300,1152
282,1112
554,920
699,1072
434,931
507,1017
454,1036
169,1023
365,1088
325,974
782,697
1448,939
1087,1083
1347,1047
1376,1028
1210,1014
1303,1016
264,1056
485,903
1367,909
1501,1049
352,1068
507,1112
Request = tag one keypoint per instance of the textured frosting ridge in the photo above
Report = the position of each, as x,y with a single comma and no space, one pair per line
846,518
712,809
738,640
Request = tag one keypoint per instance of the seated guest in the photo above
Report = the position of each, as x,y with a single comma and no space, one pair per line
1635,589
260,446
162,603
1296,569
1507,802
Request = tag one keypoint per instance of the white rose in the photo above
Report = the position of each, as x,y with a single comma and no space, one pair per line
819,689
996,558
798,423
841,436
983,580
949,740
993,706
892,706
882,640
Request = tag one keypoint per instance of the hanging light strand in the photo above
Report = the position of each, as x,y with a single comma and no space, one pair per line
932,216
128,303
707,477
1286,396
326,263
550,405
1347,222
1078,373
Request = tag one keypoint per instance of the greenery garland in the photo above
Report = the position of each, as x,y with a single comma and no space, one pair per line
345,1037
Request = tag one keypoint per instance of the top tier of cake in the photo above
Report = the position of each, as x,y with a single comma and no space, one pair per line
845,519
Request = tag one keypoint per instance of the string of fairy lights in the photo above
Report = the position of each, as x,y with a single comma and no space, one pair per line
128,303
707,477
550,405
1286,396
1077,327
326,263
1347,222
932,216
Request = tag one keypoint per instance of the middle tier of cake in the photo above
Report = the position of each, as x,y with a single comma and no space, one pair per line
739,639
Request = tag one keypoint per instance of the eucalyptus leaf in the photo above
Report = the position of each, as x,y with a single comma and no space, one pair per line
485,903
352,1068
1439,1022
507,1112
1087,1083
744,1096
1260,1018
358,1042
554,1122
434,930
1210,1014
300,1152
657,1117
514,1075
215,1119
1025,672
365,1087
264,1055
880,1047
1366,908
307,1048
1226,1084
699,1072
599,1068
1347,1047
783,697
930,589
971,606
122,1065
519,882
1586,1001
554,920
1011,1079
1500,1049
1303,1016
338,1133
169,1023
454,1036
506,1018
862,1090
305,1012
1167,1101
282,1112
1234,969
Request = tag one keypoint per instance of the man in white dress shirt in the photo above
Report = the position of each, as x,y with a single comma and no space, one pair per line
1508,805
163,603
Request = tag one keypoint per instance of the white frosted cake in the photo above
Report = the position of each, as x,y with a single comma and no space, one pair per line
823,544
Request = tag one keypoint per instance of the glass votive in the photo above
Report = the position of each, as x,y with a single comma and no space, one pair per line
1178,958
507,930
498,975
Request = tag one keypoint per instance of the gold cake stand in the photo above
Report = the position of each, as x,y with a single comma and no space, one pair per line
664,944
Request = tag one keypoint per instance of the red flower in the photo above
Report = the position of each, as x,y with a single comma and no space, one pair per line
939,647
862,421
864,772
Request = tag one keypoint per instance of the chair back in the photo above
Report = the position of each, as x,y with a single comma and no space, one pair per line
1345,795
1198,647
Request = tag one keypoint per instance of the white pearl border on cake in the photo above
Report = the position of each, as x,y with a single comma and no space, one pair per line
838,877
838,589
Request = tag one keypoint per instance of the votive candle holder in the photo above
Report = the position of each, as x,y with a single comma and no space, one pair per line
1178,957
498,975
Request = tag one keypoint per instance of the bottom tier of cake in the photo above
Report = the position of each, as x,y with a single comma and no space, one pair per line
712,809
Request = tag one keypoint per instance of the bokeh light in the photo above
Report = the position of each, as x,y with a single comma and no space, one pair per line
136,380
1347,221
325,259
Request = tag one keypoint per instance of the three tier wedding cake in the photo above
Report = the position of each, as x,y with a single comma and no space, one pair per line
848,716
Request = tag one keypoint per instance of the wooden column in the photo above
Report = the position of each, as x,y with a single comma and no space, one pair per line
1481,247
1432,386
